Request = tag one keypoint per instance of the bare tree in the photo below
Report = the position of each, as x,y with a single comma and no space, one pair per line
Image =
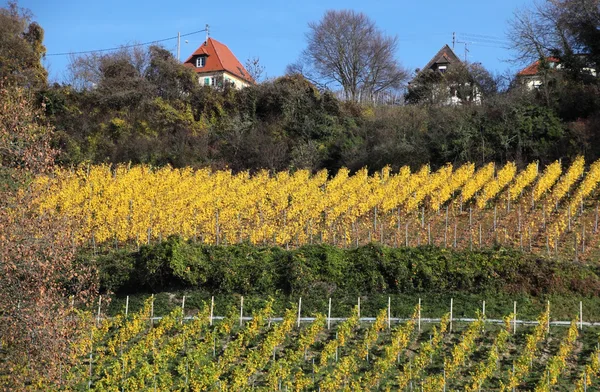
556,28
345,48
255,69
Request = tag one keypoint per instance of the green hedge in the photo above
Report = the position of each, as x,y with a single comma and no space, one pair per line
327,270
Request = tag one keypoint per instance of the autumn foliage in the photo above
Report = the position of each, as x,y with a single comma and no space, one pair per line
39,279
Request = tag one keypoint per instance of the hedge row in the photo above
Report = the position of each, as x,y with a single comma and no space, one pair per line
370,269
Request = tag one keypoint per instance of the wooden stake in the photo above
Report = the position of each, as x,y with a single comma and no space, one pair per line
580,315
126,306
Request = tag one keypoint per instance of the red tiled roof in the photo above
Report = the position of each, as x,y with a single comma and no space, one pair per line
219,58
533,69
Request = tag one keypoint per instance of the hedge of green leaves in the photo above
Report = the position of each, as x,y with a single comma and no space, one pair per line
370,269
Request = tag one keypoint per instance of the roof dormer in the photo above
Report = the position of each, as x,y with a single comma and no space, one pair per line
201,61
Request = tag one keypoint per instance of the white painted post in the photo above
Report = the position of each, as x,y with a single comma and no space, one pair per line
241,310
358,308
580,315
152,311
419,314
99,306
299,309
514,317
126,306
389,312
451,305
329,315
212,307
548,323
183,309
483,314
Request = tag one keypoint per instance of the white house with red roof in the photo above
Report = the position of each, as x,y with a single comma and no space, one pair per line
536,74
216,65
532,77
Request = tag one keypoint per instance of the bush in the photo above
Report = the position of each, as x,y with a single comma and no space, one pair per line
324,270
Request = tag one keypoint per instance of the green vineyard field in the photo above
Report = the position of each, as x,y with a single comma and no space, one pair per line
134,352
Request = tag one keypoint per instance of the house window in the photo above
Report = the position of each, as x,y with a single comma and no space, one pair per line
200,61
207,81
442,68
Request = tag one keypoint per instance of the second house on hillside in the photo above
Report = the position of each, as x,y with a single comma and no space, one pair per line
445,80
217,66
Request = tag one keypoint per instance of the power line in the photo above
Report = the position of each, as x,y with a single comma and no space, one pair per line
126,46
490,37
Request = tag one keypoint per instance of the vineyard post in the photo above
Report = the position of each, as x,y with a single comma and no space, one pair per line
544,216
126,306
514,317
444,379
520,240
182,309
519,218
455,229
329,315
212,307
495,215
548,322
152,310
480,236
419,314
99,306
423,217
375,219
569,217
470,217
359,309
576,247
398,229
529,235
451,304
389,312
241,310
580,315
483,313
406,234
470,238
299,309
583,239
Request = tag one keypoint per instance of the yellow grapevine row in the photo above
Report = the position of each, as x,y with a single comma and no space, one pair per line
141,203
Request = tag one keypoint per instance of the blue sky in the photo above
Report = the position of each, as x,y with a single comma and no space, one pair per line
273,30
